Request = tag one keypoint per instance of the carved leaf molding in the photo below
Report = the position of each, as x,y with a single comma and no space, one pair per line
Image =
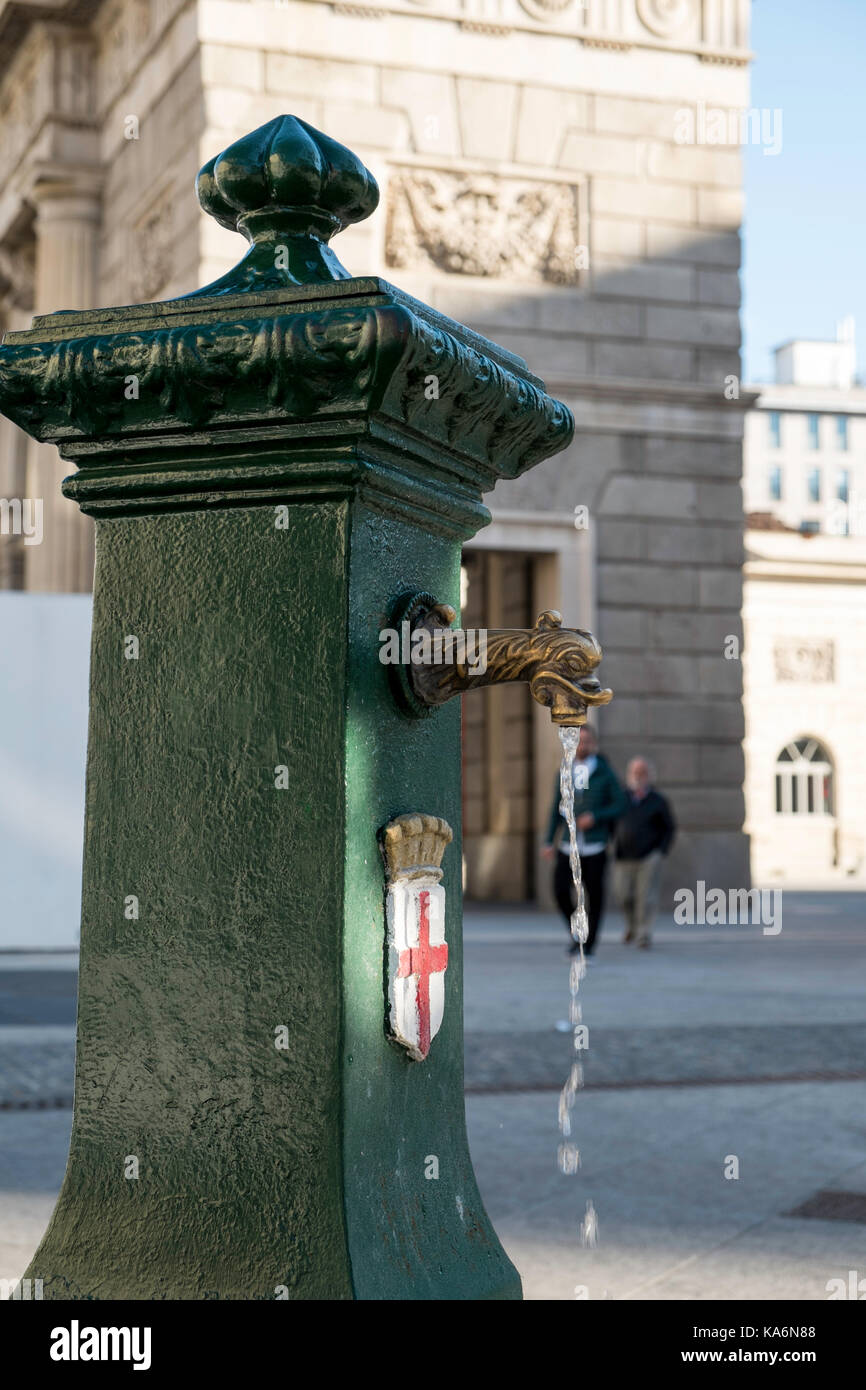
297,366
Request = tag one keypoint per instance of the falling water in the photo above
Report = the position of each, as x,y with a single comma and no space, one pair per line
568,1155
589,1227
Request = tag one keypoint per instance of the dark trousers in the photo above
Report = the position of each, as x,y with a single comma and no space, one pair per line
592,868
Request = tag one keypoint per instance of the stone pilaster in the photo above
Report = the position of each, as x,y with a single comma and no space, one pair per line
67,229
16,307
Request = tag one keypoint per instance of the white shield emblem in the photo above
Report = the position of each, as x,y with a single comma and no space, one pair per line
417,949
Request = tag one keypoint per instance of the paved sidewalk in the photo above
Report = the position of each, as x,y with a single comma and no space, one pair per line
670,1225
708,1004
37,1029
725,1007
719,1043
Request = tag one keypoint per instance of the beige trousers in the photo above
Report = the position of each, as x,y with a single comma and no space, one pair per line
636,888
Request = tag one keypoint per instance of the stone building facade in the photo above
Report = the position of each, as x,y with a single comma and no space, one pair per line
805,664
805,582
544,178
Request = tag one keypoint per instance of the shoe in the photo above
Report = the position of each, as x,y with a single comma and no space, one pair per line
627,939
645,944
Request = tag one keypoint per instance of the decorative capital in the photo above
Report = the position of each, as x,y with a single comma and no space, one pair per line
288,188
219,393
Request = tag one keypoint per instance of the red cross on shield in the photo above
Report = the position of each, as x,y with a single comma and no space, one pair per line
418,958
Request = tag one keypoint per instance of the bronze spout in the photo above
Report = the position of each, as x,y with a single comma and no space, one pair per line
557,662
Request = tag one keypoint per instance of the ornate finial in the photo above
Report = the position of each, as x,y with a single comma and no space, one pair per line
288,189
414,844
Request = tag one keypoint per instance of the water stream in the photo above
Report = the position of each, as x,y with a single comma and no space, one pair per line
568,1154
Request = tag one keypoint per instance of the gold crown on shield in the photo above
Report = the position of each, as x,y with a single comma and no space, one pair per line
414,845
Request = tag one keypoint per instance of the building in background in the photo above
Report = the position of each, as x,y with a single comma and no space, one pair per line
803,610
805,454
550,176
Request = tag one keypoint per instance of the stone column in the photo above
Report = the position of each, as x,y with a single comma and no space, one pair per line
297,452
13,480
67,229
16,312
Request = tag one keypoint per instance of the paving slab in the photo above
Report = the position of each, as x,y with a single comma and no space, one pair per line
670,1225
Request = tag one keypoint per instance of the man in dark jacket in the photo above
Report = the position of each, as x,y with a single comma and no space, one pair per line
643,838
598,801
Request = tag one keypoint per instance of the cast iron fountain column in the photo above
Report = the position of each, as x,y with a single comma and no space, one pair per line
272,463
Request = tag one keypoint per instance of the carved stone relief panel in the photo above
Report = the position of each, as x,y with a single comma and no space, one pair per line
151,249
548,9
18,274
51,75
811,662
666,18
75,76
715,28
486,225
125,33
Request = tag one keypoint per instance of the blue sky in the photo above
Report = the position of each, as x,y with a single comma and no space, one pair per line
805,225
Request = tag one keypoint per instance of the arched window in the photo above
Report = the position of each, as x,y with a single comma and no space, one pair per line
804,779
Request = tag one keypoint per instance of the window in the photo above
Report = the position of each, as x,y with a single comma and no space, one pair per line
812,422
813,484
837,519
775,422
841,431
804,779
843,484
810,528
775,484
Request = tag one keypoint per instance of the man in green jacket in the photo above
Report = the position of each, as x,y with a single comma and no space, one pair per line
599,801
